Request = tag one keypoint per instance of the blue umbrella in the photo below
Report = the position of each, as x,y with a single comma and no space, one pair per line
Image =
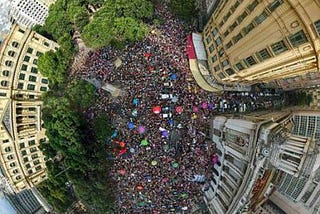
131,125
170,121
115,134
173,76
135,101
165,133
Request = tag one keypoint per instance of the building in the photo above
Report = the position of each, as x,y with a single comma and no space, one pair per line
24,202
29,12
262,41
21,85
267,161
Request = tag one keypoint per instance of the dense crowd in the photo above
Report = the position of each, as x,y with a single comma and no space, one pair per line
156,176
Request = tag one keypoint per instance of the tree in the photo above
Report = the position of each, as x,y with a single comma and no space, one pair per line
81,94
185,9
78,15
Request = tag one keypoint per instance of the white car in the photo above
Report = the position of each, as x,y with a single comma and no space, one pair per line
166,96
168,84
167,115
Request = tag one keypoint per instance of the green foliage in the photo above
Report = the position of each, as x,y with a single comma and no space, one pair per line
299,98
185,9
102,127
118,21
81,94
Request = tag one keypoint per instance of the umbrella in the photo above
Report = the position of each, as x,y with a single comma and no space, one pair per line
147,55
153,163
139,187
211,105
171,122
118,62
134,112
179,109
165,133
114,134
122,171
195,109
131,125
174,99
144,142
156,109
141,129
173,76
123,151
132,150
122,144
135,101
165,147
204,105
175,165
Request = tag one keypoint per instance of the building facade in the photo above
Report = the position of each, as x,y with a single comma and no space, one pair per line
29,12
264,41
21,85
267,161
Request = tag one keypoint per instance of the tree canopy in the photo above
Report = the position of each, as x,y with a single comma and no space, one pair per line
185,9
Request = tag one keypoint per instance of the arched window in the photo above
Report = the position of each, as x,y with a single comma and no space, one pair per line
10,157
215,171
15,44
13,164
8,63
4,83
7,149
18,177
11,53
15,171
5,73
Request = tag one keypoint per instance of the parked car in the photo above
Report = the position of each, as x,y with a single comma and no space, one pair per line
166,96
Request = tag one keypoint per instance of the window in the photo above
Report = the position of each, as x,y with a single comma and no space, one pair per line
237,38
230,71
39,53
18,177
215,32
229,44
3,94
221,23
13,164
11,53
32,142
36,162
263,54
10,157
226,33
248,28
26,58
26,159
22,76
5,73
15,171
30,50
239,66
4,83
253,5
298,38
46,44
221,52
33,149
24,67
5,141
24,152
31,87
259,19
225,63
218,41
42,88
44,81
21,145
216,68
317,26
34,70
214,58
279,47
250,61
7,149
211,48
30,171
221,76
8,63
15,44
38,168
28,166
20,85
21,31
35,61
32,78
274,5
208,39
242,17
227,16
233,26
34,156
